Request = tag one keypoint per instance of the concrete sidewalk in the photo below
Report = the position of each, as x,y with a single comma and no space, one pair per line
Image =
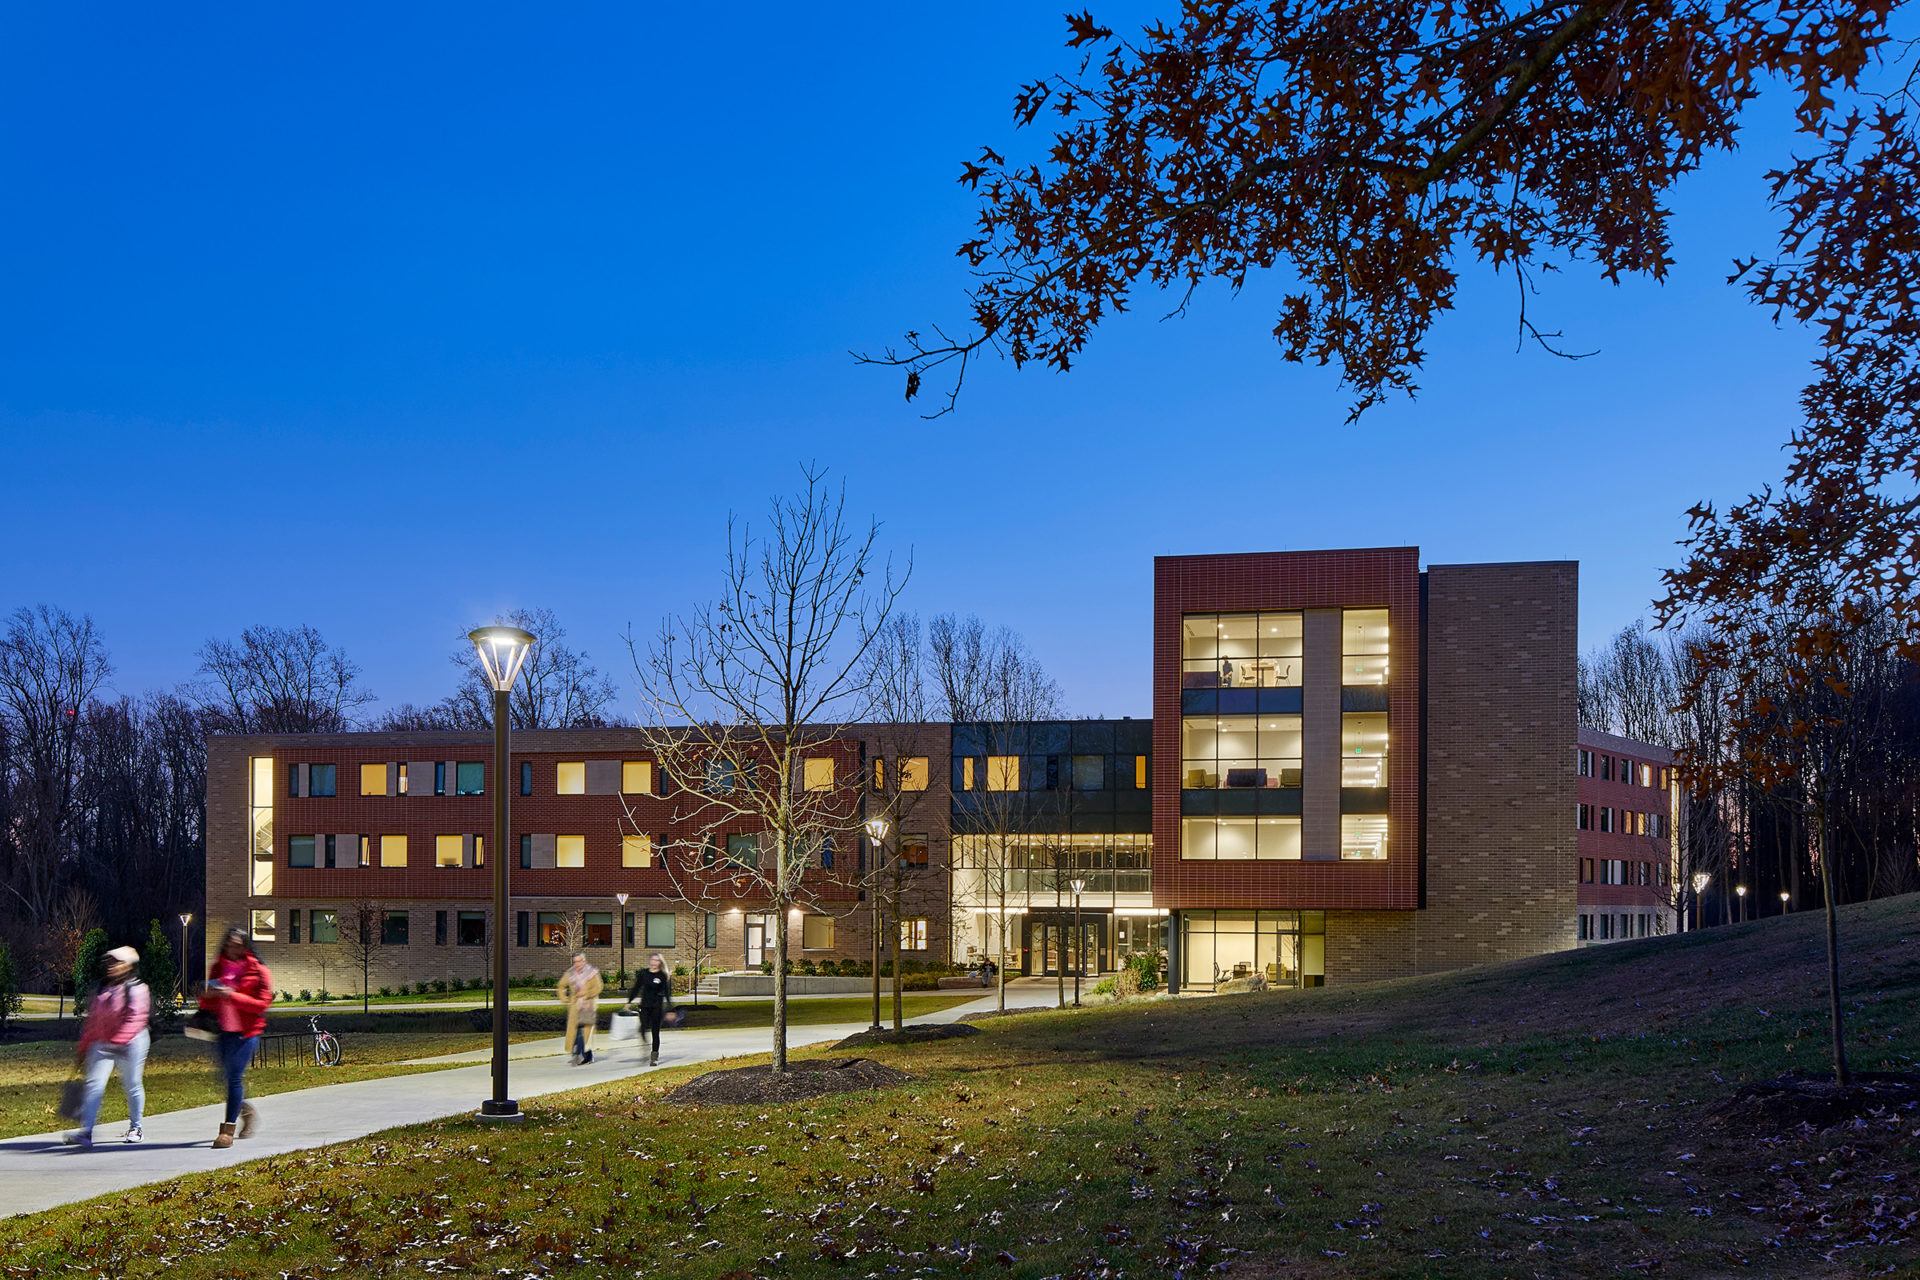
39,1173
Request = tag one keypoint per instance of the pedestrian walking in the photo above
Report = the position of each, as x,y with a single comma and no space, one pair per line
579,990
114,1038
653,988
239,989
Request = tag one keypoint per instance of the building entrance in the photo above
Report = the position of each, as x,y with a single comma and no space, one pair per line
756,941
1048,945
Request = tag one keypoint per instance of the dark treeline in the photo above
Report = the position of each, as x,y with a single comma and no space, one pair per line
103,795
1755,830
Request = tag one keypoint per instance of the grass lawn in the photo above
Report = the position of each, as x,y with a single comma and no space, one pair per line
1538,1118
818,1011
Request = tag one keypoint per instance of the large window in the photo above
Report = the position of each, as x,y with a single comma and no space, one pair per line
570,778
1239,752
1363,647
373,779
469,778
393,851
743,850
636,851
816,773
660,928
470,929
393,928
260,819
1363,837
1286,948
323,926
1239,839
265,926
551,929
448,851
1003,773
636,777
816,933
300,851
913,934
570,852
598,927
1363,749
320,779
1240,650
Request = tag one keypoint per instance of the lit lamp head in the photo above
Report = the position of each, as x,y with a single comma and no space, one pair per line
877,829
186,918
1079,887
620,898
1784,895
1700,879
503,651
1740,889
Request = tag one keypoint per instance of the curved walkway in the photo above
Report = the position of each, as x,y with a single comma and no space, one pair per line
39,1173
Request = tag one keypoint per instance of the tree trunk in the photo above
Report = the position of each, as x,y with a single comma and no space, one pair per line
1841,1076
780,955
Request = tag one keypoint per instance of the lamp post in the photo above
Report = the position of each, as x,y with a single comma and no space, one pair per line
621,925
1079,940
186,918
1740,893
1700,881
877,834
503,650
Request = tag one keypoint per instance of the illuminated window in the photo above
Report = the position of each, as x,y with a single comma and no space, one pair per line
913,850
401,769
816,773
570,778
636,777
1139,773
448,851
913,773
966,773
550,930
265,926
479,851
1363,749
570,851
373,779
1363,647
1003,773
913,934
393,851
816,933
598,928
1240,650
1585,767
1363,837
1239,752
260,826
636,851
1239,839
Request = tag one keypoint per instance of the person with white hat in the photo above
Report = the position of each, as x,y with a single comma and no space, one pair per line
114,1037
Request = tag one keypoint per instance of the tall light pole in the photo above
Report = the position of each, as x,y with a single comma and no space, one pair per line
877,833
621,924
1700,880
503,650
1079,941
186,918
1740,892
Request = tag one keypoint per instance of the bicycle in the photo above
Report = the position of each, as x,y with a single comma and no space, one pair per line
326,1049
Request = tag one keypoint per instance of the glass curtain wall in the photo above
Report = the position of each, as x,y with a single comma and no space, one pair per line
1284,948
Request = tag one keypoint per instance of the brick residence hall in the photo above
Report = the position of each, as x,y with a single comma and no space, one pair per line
1355,769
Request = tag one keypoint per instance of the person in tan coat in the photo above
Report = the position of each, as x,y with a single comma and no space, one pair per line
579,990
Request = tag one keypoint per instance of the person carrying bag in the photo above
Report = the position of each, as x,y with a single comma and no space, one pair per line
653,988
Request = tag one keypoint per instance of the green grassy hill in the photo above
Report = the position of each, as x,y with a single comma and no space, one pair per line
1552,1117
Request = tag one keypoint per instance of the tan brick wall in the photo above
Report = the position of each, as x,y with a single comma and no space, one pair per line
1501,724
226,838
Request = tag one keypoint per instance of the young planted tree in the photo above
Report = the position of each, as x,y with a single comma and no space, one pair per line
991,683
745,698
89,968
157,970
362,943
10,1001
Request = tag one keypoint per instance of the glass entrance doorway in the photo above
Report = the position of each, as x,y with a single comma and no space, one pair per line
757,943
1051,947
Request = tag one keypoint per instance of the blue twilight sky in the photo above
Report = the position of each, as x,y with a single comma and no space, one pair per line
384,318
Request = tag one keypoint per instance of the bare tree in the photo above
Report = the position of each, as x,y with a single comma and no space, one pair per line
993,677
51,665
362,941
559,687
744,696
277,680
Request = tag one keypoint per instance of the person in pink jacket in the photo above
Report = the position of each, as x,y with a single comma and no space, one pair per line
114,1038
239,988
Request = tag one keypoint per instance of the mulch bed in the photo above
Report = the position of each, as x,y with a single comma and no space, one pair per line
1790,1101
907,1035
1004,1013
804,1079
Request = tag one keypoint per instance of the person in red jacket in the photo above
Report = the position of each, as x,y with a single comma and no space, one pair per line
240,988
